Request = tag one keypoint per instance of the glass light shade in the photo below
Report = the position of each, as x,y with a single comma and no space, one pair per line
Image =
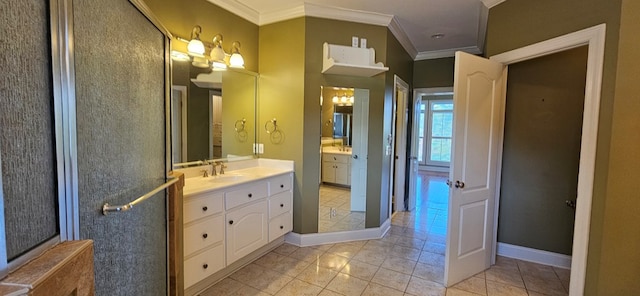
236,60
179,56
200,62
335,99
343,99
351,99
195,47
218,65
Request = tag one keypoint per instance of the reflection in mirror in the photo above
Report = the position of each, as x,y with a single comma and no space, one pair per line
212,113
344,159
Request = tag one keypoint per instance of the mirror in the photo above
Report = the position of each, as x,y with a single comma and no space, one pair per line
344,159
212,113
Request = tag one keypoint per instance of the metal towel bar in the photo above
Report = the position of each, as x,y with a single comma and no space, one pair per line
106,208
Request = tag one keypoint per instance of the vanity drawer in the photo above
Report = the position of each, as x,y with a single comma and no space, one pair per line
280,184
203,234
280,225
280,203
246,194
202,206
340,158
203,265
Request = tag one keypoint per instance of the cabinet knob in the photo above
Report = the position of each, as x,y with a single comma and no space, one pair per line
250,195
205,235
281,227
205,266
282,205
281,185
230,222
204,209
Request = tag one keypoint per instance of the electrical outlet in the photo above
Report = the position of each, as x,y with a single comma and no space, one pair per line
363,42
260,148
354,41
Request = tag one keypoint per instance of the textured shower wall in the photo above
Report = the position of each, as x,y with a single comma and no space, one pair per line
121,144
26,126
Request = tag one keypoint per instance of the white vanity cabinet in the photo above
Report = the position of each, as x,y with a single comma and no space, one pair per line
224,225
336,168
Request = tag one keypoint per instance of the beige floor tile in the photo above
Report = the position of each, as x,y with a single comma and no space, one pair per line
248,291
498,289
405,252
542,285
435,248
506,263
299,288
410,242
269,260
269,282
431,258
504,276
390,238
345,249
326,292
247,273
317,275
399,264
418,286
224,287
537,270
324,247
458,292
429,272
371,257
391,279
308,254
290,266
473,285
332,261
374,289
436,238
285,249
360,270
347,285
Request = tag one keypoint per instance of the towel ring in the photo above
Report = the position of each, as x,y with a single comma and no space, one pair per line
239,125
271,126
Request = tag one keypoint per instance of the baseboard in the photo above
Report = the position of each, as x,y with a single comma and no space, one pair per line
534,255
313,239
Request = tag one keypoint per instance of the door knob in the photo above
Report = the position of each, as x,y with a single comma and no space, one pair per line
355,156
459,184
449,183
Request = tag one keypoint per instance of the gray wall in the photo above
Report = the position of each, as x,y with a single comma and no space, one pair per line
545,101
433,73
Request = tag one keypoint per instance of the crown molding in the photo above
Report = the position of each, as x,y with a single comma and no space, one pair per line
492,3
446,53
277,16
400,34
239,9
350,15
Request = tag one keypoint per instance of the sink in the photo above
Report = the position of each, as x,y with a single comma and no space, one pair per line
226,178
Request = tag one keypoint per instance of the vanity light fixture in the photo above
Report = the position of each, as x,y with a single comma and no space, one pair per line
195,46
335,99
217,58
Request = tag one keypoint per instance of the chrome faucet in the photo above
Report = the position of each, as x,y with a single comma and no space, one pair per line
222,167
213,168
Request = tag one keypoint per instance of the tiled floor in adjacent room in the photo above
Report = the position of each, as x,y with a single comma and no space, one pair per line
409,260
334,210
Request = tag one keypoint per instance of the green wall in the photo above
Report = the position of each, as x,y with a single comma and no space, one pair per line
281,96
543,124
517,23
619,256
433,73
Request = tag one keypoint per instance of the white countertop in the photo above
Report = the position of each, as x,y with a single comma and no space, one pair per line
336,150
236,174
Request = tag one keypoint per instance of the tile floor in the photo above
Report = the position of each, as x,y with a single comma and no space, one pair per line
409,260
334,210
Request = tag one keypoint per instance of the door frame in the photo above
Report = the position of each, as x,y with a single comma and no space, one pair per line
594,38
398,136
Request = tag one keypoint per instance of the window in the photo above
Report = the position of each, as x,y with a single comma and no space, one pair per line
436,130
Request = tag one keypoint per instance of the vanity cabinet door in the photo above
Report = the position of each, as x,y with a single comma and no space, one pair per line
247,230
280,225
328,172
342,174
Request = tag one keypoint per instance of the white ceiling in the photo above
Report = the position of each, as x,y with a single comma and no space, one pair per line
413,22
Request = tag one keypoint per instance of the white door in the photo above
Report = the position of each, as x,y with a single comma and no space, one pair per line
415,150
359,150
400,149
478,93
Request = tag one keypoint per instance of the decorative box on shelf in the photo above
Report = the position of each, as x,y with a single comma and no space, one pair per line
353,61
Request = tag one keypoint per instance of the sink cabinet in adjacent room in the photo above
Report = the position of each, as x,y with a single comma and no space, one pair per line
336,168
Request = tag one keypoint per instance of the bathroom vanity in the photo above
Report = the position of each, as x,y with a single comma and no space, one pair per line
233,218
336,165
